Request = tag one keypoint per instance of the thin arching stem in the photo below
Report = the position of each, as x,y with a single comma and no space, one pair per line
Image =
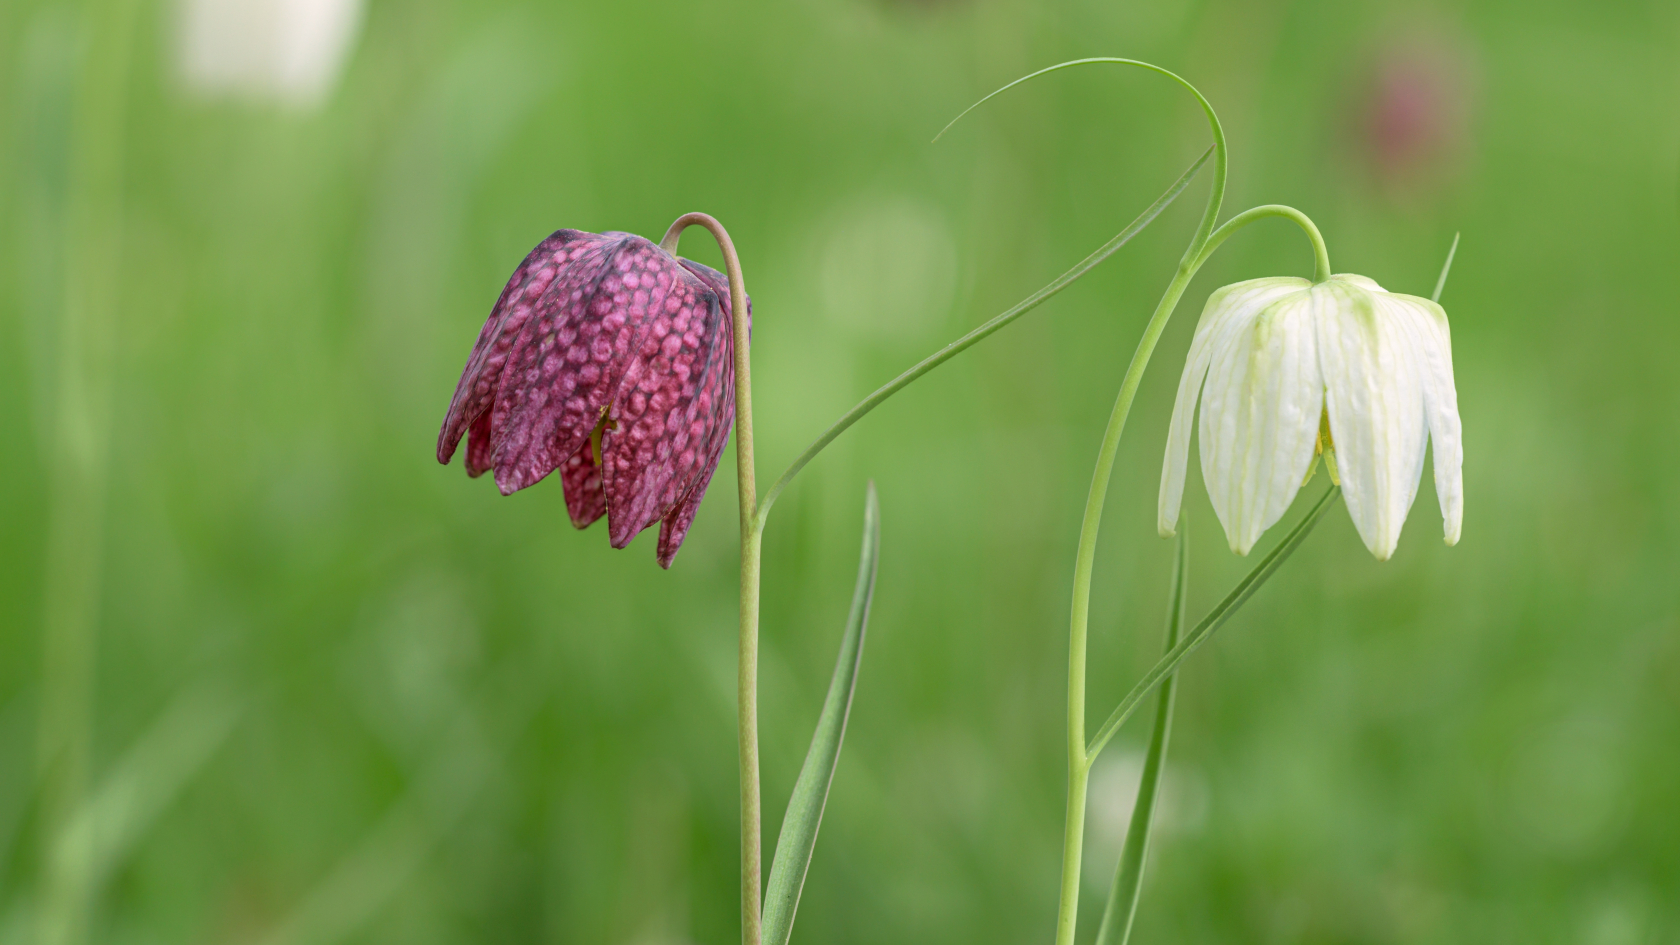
1321,255
746,692
1217,151
1215,197
1079,762
1201,244
1080,756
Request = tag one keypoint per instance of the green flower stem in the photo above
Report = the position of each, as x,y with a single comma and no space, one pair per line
1128,877
752,534
1321,256
1214,198
1079,760
969,340
1079,757
1201,245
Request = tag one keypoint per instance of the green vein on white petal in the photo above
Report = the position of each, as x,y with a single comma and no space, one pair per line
1376,411
1260,415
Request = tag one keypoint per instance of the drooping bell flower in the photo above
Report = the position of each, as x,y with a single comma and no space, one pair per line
611,360
1291,371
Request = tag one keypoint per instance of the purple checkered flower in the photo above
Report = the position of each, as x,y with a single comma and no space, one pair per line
612,361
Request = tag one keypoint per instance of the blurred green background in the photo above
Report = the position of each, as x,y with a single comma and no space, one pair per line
311,687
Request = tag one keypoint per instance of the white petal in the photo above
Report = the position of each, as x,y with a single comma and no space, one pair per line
1433,343
1259,424
1229,309
1374,395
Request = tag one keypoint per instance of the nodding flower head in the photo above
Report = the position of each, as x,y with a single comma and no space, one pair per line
611,360
1293,370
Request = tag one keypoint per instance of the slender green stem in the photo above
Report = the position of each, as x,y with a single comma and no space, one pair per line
1073,844
752,535
1079,761
1217,151
1218,193
1321,255
1201,244
1216,617
969,340
1084,564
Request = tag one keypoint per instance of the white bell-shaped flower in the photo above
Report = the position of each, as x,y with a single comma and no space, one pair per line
1281,356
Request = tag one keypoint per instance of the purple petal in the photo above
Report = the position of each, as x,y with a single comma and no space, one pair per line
478,445
581,477
476,390
571,357
673,528
593,328
673,415
719,283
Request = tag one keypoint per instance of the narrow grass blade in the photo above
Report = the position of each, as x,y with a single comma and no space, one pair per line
1128,875
1446,267
1218,615
148,778
810,791
468,757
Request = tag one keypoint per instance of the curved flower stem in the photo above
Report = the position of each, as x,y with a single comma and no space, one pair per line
1079,761
1079,757
752,534
1321,256
1215,197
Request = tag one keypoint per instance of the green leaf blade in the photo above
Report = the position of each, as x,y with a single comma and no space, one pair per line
798,838
1446,267
1221,612
979,334
1117,917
